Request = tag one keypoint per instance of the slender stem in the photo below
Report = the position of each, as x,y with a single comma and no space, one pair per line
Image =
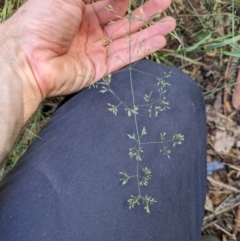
149,103
132,176
111,91
145,73
156,142
133,97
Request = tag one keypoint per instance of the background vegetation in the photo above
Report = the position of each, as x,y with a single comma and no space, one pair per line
205,45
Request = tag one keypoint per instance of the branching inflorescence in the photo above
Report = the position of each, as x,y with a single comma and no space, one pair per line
154,106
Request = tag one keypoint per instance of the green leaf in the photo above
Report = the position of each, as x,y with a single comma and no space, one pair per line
233,54
198,44
223,43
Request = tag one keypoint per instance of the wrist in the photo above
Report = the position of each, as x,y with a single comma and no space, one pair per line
20,95
18,77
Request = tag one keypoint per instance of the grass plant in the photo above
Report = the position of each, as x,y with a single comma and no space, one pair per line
205,41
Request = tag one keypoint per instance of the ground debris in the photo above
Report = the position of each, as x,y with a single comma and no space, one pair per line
227,131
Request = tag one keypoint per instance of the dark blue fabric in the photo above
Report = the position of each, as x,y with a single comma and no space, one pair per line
67,186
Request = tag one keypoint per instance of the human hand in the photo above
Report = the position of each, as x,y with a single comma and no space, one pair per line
70,44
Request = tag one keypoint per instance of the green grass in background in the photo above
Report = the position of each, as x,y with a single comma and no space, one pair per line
207,32
205,41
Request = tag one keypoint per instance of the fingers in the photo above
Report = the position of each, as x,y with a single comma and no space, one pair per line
109,10
90,1
164,27
139,45
140,17
124,57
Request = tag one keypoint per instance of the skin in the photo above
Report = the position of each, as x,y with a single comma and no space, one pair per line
57,47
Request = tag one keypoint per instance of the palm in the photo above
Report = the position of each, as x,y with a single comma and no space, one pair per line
69,48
